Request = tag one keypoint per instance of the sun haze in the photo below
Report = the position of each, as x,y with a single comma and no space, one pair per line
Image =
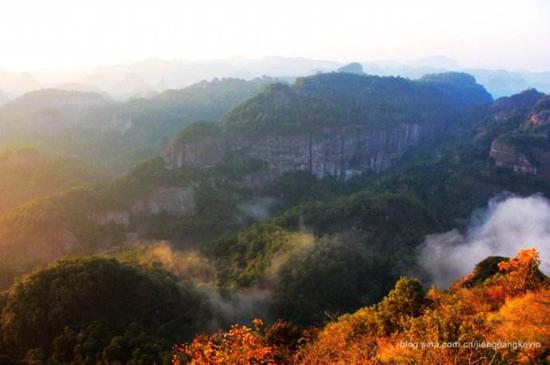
490,34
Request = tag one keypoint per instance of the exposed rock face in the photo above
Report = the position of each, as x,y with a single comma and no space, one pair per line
204,153
173,200
337,124
540,115
524,146
540,119
506,156
341,153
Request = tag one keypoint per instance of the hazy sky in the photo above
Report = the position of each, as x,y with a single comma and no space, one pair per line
512,34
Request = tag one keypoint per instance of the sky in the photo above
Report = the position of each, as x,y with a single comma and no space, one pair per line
510,34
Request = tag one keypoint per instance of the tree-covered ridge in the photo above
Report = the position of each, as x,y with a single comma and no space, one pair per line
206,100
346,99
51,227
117,135
502,319
542,105
87,219
94,310
198,131
522,101
28,174
373,219
44,99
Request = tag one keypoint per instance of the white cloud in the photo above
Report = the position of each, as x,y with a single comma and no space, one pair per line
508,226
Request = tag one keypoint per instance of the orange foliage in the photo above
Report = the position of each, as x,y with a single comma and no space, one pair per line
350,340
483,324
504,319
522,272
241,345
524,320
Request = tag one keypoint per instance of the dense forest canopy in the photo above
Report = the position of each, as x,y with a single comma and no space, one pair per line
337,99
96,310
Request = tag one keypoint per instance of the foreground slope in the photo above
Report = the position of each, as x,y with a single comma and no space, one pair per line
502,319
93,310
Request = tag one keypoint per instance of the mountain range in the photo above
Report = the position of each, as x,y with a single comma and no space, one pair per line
148,77
293,198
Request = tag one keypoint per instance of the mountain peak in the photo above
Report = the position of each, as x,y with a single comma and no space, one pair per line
354,68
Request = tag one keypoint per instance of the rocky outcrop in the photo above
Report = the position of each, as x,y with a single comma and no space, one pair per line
506,156
536,161
524,146
204,153
540,114
173,200
340,153
540,119
338,124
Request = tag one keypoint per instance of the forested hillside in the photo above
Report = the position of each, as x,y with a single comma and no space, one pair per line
288,227
92,310
116,135
275,182
497,314
28,174
338,124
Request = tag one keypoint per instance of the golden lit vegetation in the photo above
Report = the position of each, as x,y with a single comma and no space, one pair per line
503,319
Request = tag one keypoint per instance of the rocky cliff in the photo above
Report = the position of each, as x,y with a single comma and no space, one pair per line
337,152
524,147
338,125
173,200
507,156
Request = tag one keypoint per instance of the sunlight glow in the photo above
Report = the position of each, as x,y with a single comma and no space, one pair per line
489,33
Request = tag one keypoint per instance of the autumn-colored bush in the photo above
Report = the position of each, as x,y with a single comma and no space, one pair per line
524,320
350,340
242,345
521,273
502,318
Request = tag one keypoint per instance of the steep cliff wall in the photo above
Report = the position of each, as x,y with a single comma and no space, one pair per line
337,152
173,200
523,144
336,124
340,153
199,154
